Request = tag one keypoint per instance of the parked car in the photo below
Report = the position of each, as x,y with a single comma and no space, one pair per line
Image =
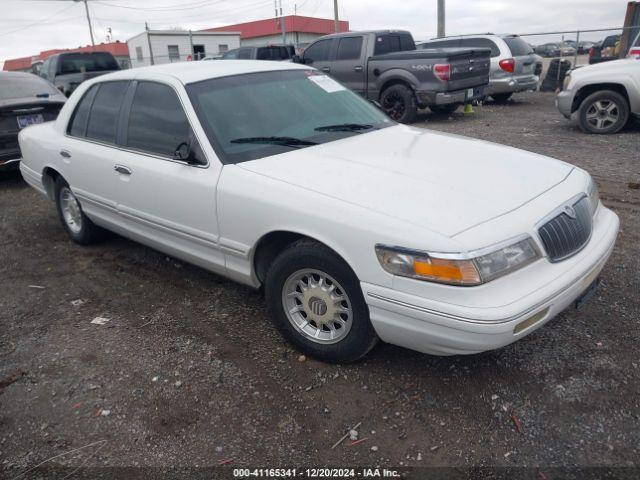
68,70
358,229
549,50
606,50
513,63
25,99
583,47
269,52
386,67
634,48
601,98
567,50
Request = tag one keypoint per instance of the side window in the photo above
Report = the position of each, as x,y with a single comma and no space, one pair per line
318,52
349,48
244,54
103,118
157,122
231,54
442,44
44,69
78,124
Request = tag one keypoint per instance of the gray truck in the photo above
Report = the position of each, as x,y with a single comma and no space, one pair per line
386,67
68,70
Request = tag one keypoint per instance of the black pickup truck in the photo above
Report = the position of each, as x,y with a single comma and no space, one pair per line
385,66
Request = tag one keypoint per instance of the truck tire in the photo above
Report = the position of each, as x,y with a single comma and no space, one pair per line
444,109
399,102
603,112
501,97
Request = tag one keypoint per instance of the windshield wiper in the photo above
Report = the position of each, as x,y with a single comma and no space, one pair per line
344,127
285,141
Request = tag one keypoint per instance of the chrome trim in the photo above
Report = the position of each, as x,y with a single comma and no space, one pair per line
558,210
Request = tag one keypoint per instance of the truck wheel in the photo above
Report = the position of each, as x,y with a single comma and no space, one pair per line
603,112
400,103
501,97
444,109
316,302
75,222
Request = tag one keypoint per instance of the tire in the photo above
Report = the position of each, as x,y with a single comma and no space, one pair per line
501,97
79,227
603,112
399,102
444,109
293,284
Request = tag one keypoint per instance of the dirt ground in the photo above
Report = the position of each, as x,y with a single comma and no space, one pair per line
188,370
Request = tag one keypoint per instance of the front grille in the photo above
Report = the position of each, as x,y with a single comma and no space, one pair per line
563,236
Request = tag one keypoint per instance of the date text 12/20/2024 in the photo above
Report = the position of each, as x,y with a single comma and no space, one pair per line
315,473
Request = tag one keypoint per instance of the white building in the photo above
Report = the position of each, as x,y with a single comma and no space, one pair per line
153,47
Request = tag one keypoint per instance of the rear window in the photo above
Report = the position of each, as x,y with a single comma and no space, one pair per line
611,41
480,43
23,86
273,53
518,46
393,43
87,62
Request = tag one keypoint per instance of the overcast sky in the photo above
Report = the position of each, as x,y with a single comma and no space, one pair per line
29,26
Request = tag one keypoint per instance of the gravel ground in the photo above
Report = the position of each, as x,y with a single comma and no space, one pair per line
189,372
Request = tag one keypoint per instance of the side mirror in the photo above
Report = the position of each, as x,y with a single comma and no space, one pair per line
297,59
189,154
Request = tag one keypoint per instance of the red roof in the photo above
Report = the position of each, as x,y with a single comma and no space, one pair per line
117,49
293,23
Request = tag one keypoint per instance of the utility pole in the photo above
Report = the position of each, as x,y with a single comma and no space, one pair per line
146,27
336,20
441,29
86,9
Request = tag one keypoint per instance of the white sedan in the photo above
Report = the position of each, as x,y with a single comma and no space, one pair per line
357,228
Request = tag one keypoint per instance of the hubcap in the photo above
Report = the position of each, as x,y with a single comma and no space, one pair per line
317,306
70,210
602,114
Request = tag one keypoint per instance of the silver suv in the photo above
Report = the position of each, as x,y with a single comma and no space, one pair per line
514,65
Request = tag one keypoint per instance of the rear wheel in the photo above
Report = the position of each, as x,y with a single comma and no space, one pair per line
444,109
75,222
399,102
316,302
501,97
603,112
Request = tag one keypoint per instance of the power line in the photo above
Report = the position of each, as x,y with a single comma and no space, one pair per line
39,22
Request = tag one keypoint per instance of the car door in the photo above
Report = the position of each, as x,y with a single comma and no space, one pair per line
348,66
318,55
167,201
88,150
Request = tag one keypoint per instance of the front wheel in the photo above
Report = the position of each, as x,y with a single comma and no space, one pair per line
603,112
399,102
316,302
79,227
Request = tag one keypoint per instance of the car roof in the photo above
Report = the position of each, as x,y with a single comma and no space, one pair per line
18,74
190,72
364,32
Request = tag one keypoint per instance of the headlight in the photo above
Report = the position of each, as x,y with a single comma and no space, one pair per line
594,195
474,268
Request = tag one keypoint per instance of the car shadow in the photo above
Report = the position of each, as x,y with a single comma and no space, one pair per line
12,179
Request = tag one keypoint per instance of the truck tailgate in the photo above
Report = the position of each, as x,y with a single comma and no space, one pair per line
469,68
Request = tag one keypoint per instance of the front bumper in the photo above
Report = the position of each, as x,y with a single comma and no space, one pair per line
441,328
512,84
564,102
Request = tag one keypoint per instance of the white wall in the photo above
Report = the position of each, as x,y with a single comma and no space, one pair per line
161,42
292,37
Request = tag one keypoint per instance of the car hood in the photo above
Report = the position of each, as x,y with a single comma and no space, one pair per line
443,182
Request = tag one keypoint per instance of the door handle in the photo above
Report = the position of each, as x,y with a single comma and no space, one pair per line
357,68
65,154
326,69
122,169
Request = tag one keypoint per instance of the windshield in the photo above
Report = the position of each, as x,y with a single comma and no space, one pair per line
256,115
87,62
23,86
